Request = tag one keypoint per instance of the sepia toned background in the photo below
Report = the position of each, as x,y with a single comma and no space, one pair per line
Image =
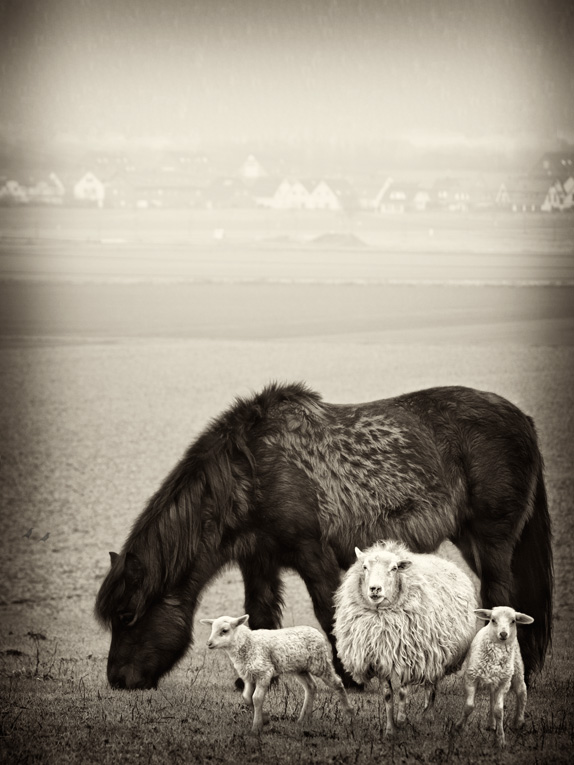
197,198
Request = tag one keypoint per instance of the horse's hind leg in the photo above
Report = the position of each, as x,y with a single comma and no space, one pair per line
488,553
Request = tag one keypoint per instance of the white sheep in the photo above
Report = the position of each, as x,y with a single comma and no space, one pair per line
260,655
494,660
404,617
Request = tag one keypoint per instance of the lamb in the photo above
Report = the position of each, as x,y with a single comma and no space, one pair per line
406,618
495,660
260,655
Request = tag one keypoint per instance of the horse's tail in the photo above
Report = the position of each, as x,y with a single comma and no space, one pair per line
534,579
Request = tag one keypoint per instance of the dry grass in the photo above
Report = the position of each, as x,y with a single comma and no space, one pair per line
90,430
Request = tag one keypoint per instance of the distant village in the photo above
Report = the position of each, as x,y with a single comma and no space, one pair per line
185,180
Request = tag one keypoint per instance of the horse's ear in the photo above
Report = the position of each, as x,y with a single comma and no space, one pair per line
113,557
359,553
207,621
133,569
523,618
483,613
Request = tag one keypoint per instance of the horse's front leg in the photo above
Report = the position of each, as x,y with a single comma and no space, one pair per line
318,568
263,592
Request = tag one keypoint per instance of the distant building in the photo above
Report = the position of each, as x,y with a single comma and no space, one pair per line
35,190
396,198
531,194
568,186
450,194
252,169
303,194
47,190
12,192
90,189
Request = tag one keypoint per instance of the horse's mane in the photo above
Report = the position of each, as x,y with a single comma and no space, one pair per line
212,480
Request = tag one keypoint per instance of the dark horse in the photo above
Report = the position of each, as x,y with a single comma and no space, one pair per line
285,480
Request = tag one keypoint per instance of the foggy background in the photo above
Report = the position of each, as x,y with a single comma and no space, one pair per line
359,77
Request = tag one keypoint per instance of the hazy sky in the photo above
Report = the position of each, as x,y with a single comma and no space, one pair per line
335,70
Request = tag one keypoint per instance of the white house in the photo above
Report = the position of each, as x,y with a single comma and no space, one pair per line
13,192
568,186
252,169
291,195
90,189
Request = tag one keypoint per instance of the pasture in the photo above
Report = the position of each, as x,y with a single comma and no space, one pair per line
92,428
94,415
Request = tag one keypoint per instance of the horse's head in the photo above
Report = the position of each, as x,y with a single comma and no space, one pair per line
149,633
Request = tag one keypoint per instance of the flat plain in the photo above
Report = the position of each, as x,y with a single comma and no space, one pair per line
104,382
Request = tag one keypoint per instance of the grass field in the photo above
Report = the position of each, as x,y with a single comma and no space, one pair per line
103,386
90,429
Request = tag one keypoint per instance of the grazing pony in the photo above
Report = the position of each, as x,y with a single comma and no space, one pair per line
285,480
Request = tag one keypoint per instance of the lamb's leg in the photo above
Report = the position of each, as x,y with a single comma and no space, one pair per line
390,730
402,710
498,714
469,704
310,687
491,716
430,696
332,679
519,687
261,688
247,694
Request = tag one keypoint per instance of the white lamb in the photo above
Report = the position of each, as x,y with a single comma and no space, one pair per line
404,617
260,655
495,660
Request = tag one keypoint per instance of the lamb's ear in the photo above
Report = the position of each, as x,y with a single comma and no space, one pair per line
207,621
241,620
523,618
359,553
483,613
402,565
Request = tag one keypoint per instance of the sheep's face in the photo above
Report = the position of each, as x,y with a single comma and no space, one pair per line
223,630
380,577
502,622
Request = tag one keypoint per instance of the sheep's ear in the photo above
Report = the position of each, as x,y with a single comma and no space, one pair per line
359,553
402,565
523,618
483,613
241,620
207,621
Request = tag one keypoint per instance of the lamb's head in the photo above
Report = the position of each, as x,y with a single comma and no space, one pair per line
502,621
223,630
381,568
